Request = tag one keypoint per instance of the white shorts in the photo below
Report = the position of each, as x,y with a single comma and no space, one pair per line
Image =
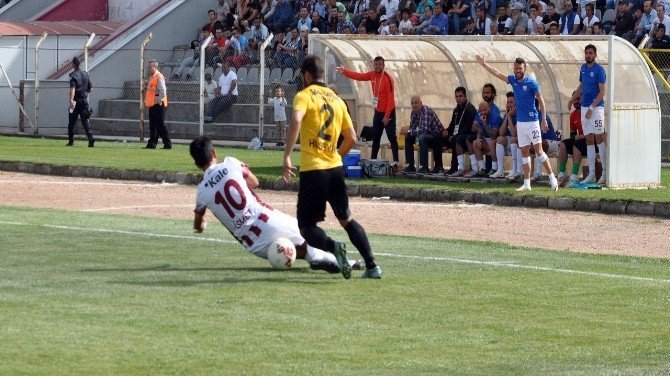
279,225
596,124
553,148
528,133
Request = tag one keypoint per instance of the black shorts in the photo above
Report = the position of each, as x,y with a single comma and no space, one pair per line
579,144
459,139
318,187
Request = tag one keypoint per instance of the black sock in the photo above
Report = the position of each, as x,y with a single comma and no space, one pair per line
360,240
317,238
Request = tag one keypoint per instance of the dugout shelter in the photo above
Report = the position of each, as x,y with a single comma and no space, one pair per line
433,67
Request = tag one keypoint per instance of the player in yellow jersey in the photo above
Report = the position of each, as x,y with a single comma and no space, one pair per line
320,116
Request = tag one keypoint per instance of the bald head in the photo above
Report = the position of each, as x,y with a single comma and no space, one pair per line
416,103
484,109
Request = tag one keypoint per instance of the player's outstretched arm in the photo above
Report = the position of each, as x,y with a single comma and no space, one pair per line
199,223
251,179
490,69
291,138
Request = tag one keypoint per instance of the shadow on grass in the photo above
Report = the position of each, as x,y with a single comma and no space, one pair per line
223,281
170,268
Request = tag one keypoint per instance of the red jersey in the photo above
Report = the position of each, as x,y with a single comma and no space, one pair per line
382,89
576,123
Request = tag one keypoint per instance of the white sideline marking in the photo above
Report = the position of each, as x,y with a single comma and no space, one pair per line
150,185
138,207
504,264
530,267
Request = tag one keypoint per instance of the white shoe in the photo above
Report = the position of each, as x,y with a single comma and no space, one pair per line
523,188
511,175
554,183
590,178
498,174
602,179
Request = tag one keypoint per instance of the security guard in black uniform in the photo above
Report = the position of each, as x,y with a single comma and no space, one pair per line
80,86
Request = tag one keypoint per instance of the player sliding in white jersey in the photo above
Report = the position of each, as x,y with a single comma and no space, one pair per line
227,191
526,90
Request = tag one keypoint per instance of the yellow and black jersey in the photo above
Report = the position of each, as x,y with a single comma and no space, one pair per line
325,118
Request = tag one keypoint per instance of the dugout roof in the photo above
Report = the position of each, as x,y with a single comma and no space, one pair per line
433,67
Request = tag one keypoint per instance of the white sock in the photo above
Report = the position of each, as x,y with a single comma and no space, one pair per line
526,182
494,166
473,163
500,156
514,148
602,150
519,163
551,175
315,254
461,162
538,166
591,156
482,164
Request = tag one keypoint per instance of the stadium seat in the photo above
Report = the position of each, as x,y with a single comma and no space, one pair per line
252,76
215,73
275,75
242,75
266,74
287,75
598,14
167,72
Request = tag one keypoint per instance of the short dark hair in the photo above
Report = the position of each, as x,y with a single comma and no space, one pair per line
211,11
481,7
201,151
378,58
461,89
551,5
314,65
493,88
520,60
660,25
509,94
595,50
589,5
533,7
600,25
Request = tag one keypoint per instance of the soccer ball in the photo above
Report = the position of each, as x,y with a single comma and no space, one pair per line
281,253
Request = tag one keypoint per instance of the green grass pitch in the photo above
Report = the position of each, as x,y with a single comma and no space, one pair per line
90,293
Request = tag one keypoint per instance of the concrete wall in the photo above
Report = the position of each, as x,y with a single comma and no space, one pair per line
21,10
124,10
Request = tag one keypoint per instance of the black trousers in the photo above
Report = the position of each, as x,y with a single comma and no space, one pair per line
377,131
426,141
157,126
80,111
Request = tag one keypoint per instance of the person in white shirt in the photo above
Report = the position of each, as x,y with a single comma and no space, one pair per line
227,190
226,94
383,26
661,17
278,103
590,18
391,7
534,20
482,20
581,7
406,23
210,88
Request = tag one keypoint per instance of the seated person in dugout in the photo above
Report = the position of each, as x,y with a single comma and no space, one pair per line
508,140
426,128
488,125
458,131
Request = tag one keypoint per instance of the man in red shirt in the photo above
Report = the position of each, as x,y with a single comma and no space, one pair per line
384,104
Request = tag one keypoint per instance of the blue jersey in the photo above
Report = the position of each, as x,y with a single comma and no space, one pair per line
524,95
495,121
494,110
550,134
591,78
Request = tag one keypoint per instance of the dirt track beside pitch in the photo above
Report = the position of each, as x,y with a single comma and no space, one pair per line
543,228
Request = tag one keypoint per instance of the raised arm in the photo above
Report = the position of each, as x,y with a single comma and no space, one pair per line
491,70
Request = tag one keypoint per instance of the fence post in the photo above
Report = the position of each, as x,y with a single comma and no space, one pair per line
18,100
144,44
22,89
202,84
37,82
86,46
261,73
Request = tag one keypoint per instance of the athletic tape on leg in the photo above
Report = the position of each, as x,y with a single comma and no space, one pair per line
543,157
525,160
